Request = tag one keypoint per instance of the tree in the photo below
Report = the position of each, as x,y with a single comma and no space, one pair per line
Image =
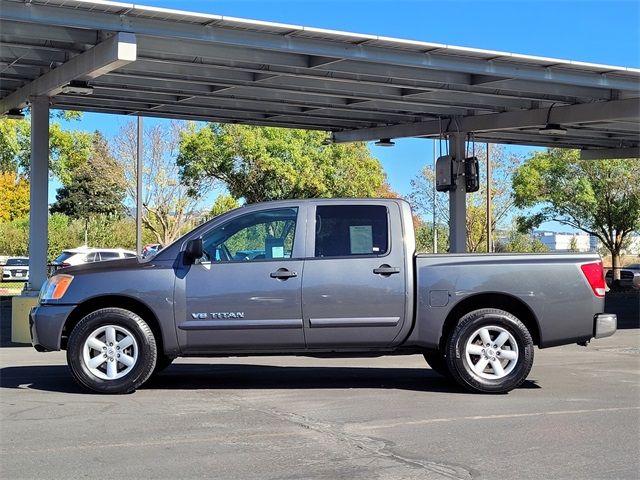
14,196
518,242
223,204
68,148
503,165
96,187
169,206
265,163
600,197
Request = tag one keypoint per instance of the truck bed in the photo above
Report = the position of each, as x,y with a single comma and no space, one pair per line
551,285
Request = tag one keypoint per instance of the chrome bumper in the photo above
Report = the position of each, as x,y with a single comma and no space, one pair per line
605,325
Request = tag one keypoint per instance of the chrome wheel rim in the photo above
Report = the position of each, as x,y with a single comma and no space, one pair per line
110,352
491,352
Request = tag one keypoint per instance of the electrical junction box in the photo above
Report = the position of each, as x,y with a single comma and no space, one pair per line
471,174
444,177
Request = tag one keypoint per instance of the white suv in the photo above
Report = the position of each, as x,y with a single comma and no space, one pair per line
16,268
80,255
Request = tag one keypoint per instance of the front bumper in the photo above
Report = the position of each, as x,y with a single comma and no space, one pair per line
605,325
46,323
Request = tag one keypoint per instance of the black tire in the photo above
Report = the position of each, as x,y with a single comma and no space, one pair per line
133,375
468,370
437,363
162,362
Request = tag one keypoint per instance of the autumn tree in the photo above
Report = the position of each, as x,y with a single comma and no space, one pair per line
14,196
503,164
600,197
168,205
265,163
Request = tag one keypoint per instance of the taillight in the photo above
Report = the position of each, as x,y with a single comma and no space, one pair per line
595,276
65,264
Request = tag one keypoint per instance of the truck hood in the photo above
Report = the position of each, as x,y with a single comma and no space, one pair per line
108,265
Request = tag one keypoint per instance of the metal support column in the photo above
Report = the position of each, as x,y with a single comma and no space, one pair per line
39,193
458,196
139,169
435,204
489,223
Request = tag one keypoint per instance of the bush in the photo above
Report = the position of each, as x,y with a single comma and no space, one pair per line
64,233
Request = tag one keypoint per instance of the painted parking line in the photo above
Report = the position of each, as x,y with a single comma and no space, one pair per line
489,417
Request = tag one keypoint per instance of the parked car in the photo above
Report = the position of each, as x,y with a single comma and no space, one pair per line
629,276
321,278
150,249
81,255
16,268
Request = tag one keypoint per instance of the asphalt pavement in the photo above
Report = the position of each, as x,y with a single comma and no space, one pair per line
578,416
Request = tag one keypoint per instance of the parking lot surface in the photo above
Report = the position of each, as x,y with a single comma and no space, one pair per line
578,416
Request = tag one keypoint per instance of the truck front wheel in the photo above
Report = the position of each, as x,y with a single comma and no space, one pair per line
489,351
111,350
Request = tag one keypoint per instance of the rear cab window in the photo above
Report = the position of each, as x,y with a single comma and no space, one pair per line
351,231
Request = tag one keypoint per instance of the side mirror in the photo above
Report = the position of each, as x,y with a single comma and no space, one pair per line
194,250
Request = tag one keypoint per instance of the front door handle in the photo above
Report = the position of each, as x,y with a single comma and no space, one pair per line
283,274
386,270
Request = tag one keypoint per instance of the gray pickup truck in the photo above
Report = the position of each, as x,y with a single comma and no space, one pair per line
326,278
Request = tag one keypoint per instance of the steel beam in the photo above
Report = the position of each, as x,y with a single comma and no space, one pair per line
109,55
608,153
587,112
38,192
457,196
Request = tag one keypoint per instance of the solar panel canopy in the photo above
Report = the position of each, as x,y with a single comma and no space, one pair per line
122,58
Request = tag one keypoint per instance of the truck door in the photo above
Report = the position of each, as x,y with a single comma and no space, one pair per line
245,293
354,285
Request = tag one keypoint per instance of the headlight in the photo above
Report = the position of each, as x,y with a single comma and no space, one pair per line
55,287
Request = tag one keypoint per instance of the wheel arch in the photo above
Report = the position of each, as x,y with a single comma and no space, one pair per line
502,301
110,301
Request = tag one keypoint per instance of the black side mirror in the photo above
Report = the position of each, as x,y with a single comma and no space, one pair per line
194,250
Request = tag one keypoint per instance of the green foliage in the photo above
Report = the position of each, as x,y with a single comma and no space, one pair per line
517,242
64,232
68,148
14,237
424,237
14,144
96,187
600,197
264,163
14,196
223,204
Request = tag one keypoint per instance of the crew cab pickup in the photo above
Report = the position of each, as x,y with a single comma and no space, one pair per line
321,277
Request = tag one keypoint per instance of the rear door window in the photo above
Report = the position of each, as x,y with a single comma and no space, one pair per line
351,230
109,255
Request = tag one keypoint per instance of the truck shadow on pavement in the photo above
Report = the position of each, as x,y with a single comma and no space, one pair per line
185,376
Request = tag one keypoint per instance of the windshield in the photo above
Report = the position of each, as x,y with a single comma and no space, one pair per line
12,262
63,256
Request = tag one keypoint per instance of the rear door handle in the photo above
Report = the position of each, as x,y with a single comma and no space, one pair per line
386,270
283,274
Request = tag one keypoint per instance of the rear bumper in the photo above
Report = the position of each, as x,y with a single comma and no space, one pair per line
604,325
46,323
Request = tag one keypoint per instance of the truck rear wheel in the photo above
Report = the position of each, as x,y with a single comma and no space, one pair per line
489,351
111,350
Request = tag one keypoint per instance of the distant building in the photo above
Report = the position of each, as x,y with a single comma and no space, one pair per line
581,242
568,242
